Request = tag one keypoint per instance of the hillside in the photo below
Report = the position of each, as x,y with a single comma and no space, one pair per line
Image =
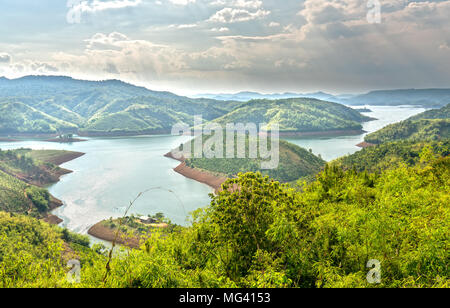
392,155
427,126
300,115
36,254
429,98
47,104
266,235
443,113
55,105
18,118
294,162
22,172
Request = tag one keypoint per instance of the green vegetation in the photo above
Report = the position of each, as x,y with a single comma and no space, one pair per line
428,126
392,155
16,117
443,113
297,115
294,161
266,234
136,225
62,105
20,171
35,254
44,104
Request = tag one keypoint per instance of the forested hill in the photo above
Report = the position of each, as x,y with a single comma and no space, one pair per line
427,126
294,162
297,115
52,104
392,155
265,235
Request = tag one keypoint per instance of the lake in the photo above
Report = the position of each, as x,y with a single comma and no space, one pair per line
115,170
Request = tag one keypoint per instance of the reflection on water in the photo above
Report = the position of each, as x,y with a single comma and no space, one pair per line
115,170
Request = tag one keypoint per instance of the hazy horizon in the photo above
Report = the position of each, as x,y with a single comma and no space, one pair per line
227,46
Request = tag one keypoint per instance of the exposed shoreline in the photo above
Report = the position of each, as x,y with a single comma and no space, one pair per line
365,145
104,233
204,177
55,202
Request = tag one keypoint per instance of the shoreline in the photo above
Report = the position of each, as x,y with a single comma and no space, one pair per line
204,177
365,145
344,132
52,137
59,140
55,202
106,234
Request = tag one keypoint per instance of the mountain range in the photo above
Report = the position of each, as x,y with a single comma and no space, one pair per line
429,98
55,105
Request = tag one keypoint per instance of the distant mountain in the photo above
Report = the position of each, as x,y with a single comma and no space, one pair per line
431,98
57,104
247,96
51,104
428,126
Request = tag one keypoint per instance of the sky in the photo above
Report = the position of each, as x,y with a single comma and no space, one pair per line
223,46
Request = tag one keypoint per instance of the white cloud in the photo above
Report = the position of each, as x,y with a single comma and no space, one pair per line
232,15
5,58
93,6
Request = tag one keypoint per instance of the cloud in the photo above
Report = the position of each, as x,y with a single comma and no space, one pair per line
232,15
94,6
251,44
5,58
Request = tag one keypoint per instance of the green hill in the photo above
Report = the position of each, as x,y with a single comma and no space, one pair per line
294,161
22,172
16,117
35,254
297,115
266,235
443,113
427,126
391,155
47,104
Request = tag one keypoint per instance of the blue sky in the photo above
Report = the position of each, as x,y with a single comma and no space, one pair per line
195,46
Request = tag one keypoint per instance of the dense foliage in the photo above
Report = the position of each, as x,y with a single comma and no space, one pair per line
294,161
428,126
20,171
297,115
392,155
44,104
265,234
33,253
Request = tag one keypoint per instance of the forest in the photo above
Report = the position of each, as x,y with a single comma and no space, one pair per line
294,161
266,234
432,125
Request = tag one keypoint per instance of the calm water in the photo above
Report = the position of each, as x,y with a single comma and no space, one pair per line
115,170
333,147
